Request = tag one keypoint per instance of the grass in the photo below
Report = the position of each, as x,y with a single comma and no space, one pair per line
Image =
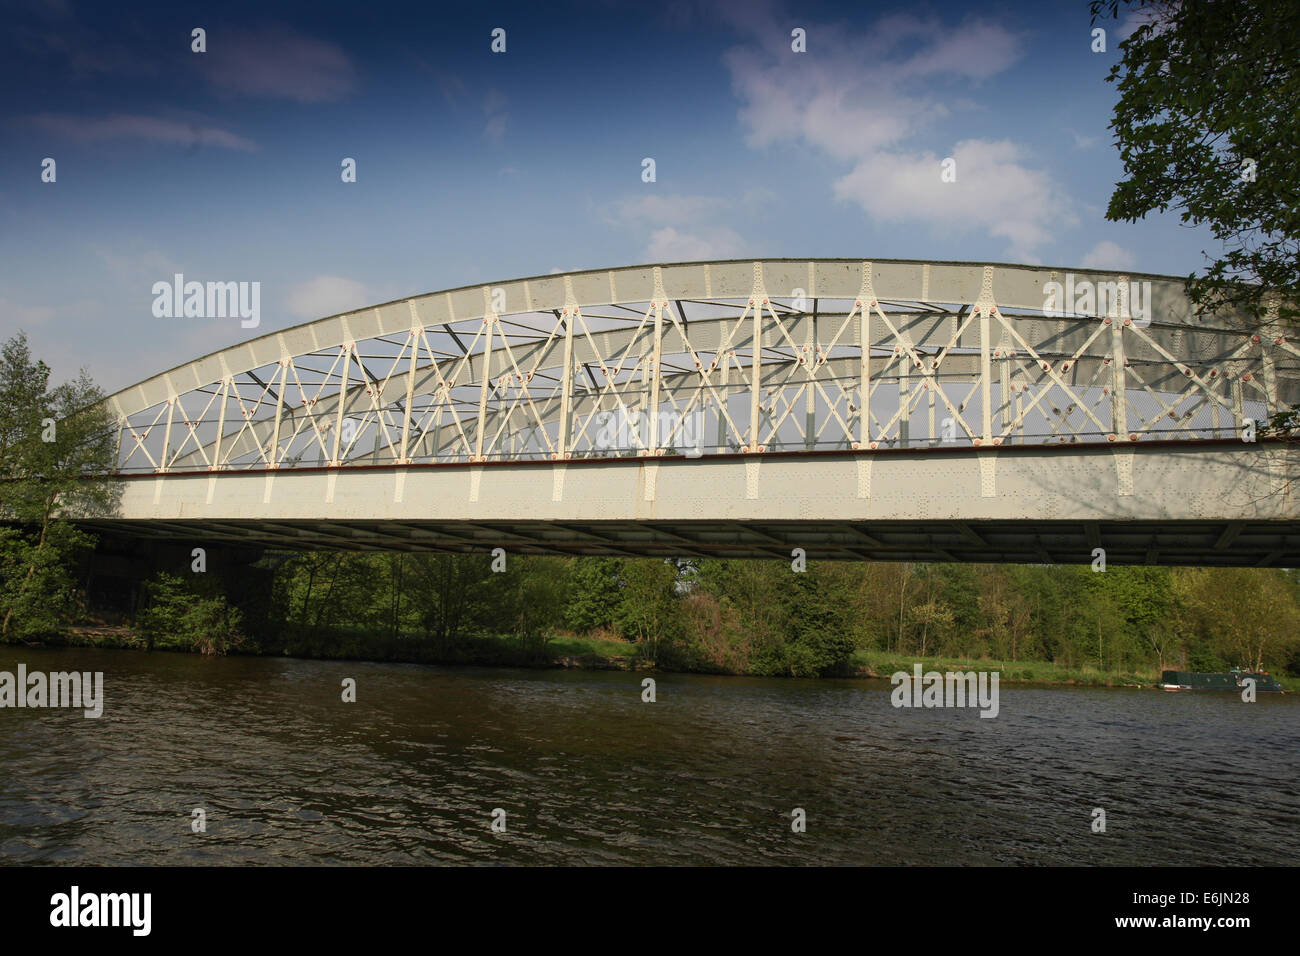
570,645
602,646
884,663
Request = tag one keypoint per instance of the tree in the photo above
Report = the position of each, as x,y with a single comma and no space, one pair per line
56,453
934,614
818,638
1206,123
651,609
527,601
595,596
448,591
179,615
1250,614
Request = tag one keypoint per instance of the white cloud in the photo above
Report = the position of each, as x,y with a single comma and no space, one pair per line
671,209
671,245
863,98
1109,256
326,295
494,104
15,316
993,191
278,63
1081,141
686,228
1137,19
132,263
153,129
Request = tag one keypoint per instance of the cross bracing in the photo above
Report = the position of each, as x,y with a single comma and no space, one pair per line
887,410
715,358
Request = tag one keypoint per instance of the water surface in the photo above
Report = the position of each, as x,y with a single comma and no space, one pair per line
589,774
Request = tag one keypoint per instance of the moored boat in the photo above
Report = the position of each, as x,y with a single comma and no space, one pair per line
1234,680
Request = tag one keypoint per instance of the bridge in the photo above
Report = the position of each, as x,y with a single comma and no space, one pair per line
892,410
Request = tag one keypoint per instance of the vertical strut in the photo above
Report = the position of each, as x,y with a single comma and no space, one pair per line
1268,335
986,308
755,376
865,296
723,403
404,457
221,422
904,398
810,397
566,371
279,412
488,320
167,432
661,301
1118,381
344,376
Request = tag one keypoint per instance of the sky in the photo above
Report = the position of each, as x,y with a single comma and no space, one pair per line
475,166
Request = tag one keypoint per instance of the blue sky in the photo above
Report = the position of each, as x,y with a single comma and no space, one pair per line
475,167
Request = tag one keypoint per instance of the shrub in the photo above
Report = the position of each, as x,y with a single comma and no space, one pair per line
177,617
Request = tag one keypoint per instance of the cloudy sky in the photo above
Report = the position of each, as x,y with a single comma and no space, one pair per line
474,166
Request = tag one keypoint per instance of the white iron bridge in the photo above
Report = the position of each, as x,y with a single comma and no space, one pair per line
892,410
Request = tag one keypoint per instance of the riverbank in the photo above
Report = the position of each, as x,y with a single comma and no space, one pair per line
605,652
883,664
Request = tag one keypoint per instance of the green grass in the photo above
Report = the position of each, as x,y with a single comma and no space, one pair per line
576,646
360,644
884,663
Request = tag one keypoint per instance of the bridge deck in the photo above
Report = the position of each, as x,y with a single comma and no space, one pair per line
1199,503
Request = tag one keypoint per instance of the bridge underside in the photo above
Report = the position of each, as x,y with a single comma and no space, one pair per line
1202,543
1199,503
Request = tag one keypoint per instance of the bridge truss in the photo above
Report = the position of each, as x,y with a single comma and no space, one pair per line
714,358
935,371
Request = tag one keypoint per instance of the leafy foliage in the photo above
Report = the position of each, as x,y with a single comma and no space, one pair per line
1206,123
56,449
179,616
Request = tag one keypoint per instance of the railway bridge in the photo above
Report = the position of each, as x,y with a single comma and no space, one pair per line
891,410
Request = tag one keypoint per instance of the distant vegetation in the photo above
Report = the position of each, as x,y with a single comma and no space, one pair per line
739,617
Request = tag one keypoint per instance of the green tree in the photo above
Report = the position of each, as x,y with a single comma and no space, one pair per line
595,594
1207,123
818,638
529,600
1250,614
449,594
179,615
651,610
56,453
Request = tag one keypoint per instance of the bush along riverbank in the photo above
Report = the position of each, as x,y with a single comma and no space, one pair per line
581,652
1034,624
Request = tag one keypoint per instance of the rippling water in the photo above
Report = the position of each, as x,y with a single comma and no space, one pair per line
588,774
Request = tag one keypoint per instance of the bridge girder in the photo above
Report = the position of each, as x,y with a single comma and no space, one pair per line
875,355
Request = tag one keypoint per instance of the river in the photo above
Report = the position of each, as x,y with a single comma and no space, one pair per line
587,773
